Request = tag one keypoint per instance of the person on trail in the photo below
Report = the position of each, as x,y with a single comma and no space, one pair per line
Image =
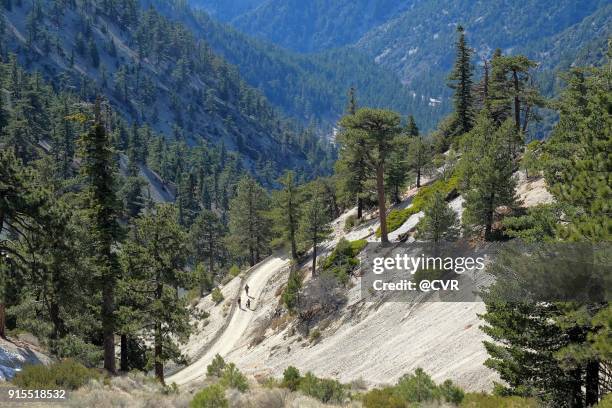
239,302
246,289
248,304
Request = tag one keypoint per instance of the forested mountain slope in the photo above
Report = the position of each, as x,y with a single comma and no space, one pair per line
153,71
418,43
225,10
316,25
309,87
414,39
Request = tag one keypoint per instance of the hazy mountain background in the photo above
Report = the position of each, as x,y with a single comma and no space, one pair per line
414,40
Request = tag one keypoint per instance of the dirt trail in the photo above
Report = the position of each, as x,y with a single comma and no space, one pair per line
238,325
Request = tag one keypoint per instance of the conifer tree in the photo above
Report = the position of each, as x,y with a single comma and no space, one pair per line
248,223
206,237
461,82
440,222
420,157
286,211
102,210
315,219
378,129
489,180
412,130
398,169
156,255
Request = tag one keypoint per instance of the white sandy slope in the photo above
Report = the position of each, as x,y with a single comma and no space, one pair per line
374,342
232,337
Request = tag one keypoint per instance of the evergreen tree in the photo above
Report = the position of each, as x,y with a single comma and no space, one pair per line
315,219
440,222
156,255
397,170
286,212
102,210
461,83
489,181
248,224
420,157
378,129
206,237
412,129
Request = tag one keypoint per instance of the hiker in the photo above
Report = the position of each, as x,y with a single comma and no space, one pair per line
246,289
239,302
248,304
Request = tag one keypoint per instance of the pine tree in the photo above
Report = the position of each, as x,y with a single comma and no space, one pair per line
248,224
378,129
351,107
440,222
315,219
206,237
420,157
102,210
397,170
461,83
286,212
412,129
156,255
489,180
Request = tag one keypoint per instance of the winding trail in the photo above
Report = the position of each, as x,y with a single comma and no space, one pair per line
238,325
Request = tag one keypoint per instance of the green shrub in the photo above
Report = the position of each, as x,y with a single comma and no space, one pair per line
323,389
291,293
216,367
233,378
396,218
67,374
291,378
477,400
350,223
234,271
217,296
210,397
315,335
417,387
451,393
382,398
343,259
428,274
72,347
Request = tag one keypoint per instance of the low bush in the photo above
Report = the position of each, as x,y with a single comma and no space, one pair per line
323,389
233,378
217,296
234,271
477,400
315,335
216,367
451,393
413,388
382,398
343,259
350,223
291,378
67,374
210,397
396,218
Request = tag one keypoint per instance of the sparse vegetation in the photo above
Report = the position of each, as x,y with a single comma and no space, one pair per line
343,259
212,396
67,374
411,389
217,296
396,218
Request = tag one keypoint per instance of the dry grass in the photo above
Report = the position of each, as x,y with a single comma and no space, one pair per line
132,390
